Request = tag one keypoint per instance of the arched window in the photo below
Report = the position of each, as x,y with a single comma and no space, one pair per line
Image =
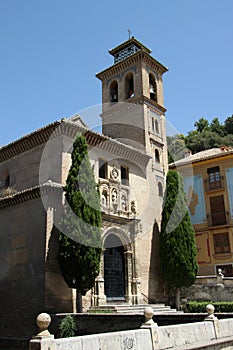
155,125
160,189
114,91
153,88
129,85
157,157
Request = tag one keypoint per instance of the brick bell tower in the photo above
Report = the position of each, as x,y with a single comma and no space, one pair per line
132,99
133,113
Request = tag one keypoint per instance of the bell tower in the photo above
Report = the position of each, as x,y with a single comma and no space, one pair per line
132,98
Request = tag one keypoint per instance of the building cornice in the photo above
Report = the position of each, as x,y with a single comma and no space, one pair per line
128,62
27,142
70,129
30,194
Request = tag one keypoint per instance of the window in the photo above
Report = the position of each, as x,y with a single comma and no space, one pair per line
217,207
124,175
221,243
102,169
114,92
214,177
153,88
155,125
157,157
129,85
160,189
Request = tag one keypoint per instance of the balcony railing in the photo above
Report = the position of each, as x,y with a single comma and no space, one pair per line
211,185
218,219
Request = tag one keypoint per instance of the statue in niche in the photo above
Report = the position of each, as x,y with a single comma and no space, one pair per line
123,203
104,198
114,196
133,207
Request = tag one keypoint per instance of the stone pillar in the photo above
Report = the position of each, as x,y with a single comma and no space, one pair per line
211,317
99,296
128,277
151,325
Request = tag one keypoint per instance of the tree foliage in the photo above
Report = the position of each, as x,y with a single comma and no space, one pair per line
177,237
228,124
80,243
205,136
176,147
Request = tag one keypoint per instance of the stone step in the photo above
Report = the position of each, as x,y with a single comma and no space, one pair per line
136,309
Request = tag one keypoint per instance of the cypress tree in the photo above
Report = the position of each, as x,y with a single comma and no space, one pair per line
177,238
80,243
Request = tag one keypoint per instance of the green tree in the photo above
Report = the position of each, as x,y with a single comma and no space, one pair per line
177,238
217,127
201,124
228,123
200,141
80,243
176,147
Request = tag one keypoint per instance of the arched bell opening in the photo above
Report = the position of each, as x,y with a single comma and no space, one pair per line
153,88
129,85
114,91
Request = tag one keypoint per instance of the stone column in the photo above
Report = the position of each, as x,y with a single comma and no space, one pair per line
100,297
128,276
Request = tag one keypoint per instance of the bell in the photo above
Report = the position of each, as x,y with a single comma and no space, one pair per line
114,98
152,91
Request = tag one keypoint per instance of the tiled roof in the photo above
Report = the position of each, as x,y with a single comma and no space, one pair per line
203,155
71,127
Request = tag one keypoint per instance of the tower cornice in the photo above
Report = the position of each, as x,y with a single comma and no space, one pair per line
128,62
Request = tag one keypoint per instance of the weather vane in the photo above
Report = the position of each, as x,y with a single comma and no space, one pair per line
129,33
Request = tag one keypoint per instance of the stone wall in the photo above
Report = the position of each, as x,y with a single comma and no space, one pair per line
22,266
210,288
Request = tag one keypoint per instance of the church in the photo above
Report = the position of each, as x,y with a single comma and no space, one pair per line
129,160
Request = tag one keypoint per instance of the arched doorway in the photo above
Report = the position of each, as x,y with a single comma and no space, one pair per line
114,268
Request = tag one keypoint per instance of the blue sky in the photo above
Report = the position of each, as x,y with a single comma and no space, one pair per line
52,49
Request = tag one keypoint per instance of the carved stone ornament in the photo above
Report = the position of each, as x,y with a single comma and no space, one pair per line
114,173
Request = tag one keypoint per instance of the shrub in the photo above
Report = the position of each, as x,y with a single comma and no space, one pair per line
67,327
200,306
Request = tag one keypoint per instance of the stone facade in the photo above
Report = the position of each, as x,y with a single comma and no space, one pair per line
130,169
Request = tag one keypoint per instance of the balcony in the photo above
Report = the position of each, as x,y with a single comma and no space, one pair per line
115,199
218,219
213,185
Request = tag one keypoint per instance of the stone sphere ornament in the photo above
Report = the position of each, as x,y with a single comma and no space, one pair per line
149,313
210,310
43,321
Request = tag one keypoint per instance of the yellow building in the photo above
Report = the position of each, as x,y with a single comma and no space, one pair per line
208,183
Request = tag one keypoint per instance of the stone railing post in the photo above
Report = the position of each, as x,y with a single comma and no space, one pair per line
43,340
150,324
211,317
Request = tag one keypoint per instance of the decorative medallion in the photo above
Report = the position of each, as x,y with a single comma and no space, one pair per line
114,173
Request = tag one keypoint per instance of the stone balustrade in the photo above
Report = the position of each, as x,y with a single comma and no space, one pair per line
209,334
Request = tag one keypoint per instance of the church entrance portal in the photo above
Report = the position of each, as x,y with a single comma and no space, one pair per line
114,268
